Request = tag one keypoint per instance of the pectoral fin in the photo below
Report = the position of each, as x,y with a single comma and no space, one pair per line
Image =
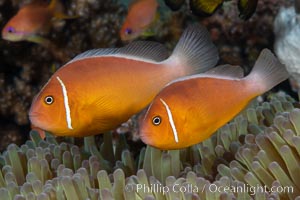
38,39
60,15
148,33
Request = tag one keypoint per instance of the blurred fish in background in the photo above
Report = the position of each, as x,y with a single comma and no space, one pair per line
32,21
287,44
246,8
141,14
205,8
174,4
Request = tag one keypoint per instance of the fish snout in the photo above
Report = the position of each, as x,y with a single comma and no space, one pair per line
33,117
40,121
12,36
145,136
4,35
33,114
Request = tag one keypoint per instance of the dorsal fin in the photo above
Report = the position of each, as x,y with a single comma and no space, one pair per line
132,4
94,53
222,72
230,71
145,49
195,50
138,50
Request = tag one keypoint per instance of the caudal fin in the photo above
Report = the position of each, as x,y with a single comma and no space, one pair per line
195,51
267,72
56,8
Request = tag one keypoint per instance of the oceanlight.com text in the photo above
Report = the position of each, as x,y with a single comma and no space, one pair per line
252,190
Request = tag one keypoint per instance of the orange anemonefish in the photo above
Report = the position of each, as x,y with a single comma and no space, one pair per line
31,20
190,109
100,89
141,14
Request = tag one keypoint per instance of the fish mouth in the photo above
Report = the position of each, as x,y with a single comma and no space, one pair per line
145,137
34,114
12,37
35,118
6,37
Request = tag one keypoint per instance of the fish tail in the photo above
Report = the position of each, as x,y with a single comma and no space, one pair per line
52,5
195,51
56,8
266,73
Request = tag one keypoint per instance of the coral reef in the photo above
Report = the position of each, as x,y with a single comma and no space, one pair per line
271,158
259,147
25,67
241,41
287,29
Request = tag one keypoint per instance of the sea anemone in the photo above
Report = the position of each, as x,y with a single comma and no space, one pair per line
271,158
260,147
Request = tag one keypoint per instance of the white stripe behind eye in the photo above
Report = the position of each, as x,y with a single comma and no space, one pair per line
171,121
66,103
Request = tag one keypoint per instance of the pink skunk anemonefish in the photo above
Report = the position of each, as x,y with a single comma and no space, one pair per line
190,109
100,89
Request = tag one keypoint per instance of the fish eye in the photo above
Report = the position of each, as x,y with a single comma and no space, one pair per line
49,100
128,31
11,29
156,120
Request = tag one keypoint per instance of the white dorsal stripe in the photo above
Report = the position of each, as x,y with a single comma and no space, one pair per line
66,103
146,51
203,75
171,120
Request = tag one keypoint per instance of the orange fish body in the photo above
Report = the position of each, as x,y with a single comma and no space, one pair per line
191,109
100,89
30,21
141,14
